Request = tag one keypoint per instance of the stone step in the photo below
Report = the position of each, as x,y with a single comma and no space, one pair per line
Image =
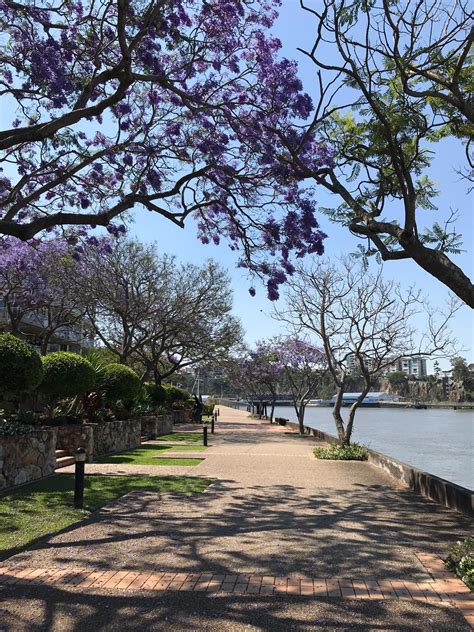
63,461
60,453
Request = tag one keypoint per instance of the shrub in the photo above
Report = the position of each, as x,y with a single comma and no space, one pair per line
20,366
338,452
120,382
12,425
157,393
461,561
176,394
66,374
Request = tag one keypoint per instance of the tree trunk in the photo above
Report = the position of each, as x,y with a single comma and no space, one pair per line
336,413
301,412
353,410
272,410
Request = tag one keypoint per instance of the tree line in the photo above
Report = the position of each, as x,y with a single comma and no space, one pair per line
147,310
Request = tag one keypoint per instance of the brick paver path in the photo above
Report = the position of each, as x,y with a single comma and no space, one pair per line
275,522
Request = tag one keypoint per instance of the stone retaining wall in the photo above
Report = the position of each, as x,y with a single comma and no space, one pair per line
78,436
25,458
438,489
181,416
115,436
155,426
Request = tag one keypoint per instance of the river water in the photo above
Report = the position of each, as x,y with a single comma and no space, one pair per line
437,441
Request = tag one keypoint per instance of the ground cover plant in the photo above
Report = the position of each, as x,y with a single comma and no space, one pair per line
148,455
46,506
337,452
461,561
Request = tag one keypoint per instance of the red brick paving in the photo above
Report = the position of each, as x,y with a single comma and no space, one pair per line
442,585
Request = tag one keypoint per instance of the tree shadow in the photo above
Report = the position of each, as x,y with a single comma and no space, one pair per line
368,531
39,608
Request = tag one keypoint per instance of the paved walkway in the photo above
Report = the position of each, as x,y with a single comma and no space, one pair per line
275,524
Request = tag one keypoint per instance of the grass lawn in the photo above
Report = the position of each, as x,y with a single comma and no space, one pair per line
182,436
147,455
46,506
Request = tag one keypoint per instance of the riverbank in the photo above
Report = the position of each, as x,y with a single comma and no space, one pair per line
278,541
440,442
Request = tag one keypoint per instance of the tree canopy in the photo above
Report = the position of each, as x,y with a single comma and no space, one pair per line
393,79
163,105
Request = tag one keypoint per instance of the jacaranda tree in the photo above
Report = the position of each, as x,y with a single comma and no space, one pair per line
172,106
303,366
36,288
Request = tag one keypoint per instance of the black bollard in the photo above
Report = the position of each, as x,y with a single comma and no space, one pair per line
80,457
212,424
218,412
204,435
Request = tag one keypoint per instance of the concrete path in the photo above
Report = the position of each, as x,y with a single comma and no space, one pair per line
273,511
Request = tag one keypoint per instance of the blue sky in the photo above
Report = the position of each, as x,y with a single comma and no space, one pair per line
295,29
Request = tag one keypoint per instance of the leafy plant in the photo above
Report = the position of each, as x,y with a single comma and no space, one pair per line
176,394
461,561
12,425
20,366
157,393
66,374
338,452
120,382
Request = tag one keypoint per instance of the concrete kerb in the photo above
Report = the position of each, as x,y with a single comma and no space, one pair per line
433,487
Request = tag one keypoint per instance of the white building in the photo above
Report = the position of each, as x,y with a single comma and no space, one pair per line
415,366
73,338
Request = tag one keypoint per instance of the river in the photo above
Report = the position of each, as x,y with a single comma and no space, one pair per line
437,441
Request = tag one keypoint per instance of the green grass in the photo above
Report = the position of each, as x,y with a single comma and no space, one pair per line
181,436
46,506
147,455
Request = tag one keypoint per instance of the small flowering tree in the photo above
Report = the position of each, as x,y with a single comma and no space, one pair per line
303,366
266,371
172,106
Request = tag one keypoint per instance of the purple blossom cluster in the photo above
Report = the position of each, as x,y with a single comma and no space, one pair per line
179,110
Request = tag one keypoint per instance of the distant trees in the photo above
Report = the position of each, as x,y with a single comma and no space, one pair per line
361,321
156,314
461,373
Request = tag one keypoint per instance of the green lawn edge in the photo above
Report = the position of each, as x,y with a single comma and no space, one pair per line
32,513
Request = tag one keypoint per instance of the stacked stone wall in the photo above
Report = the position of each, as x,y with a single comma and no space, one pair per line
77,436
25,458
115,436
155,426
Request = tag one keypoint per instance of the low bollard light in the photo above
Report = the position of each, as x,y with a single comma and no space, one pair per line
80,458
204,435
212,424
218,412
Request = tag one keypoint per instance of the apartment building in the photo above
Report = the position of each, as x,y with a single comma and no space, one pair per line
75,338
415,366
